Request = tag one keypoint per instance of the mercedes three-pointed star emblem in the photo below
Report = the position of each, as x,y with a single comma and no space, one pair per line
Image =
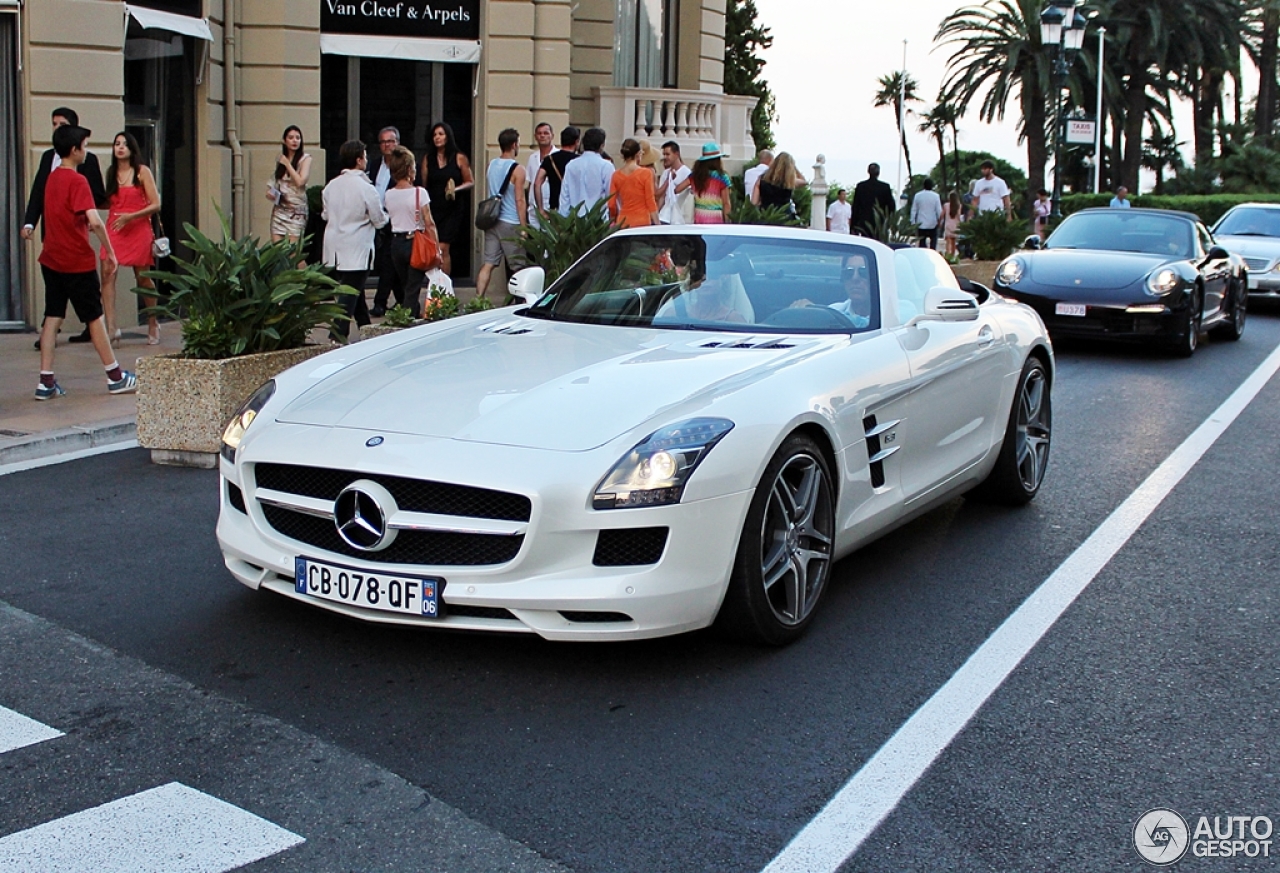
360,518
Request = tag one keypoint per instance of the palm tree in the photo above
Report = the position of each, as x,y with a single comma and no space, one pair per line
935,123
896,92
998,57
1162,151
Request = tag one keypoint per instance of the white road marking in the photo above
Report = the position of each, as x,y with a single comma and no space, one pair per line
850,817
16,731
170,829
36,463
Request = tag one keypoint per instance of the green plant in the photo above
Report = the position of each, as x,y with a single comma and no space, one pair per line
398,316
893,226
992,235
777,216
242,296
477,304
439,305
561,240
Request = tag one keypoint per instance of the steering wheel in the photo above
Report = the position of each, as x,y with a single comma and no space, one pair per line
812,318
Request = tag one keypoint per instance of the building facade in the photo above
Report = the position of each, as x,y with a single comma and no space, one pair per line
208,87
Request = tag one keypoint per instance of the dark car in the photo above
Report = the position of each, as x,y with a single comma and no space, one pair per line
1149,275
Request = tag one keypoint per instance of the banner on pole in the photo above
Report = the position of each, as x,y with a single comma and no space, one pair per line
1080,132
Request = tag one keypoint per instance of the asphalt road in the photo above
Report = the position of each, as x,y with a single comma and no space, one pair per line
405,750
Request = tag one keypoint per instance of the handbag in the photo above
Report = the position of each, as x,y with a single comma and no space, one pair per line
160,246
489,210
425,250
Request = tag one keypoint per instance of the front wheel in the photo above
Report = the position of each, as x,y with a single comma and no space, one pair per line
1024,454
784,556
1238,301
1184,346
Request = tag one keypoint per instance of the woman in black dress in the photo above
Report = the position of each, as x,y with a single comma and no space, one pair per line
777,184
447,172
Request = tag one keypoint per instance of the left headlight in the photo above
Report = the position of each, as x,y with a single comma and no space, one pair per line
655,472
244,417
1010,272
1161,282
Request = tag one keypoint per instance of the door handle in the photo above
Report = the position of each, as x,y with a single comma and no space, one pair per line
986,336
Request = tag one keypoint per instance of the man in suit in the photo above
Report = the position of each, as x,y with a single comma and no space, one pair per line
870,195
49,161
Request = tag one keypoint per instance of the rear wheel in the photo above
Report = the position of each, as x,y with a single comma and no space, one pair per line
1184,346
1024,454
1238,305
784,555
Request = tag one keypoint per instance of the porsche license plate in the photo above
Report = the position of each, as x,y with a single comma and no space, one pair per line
414,595
1069,309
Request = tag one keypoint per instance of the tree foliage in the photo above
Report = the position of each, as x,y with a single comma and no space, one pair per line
744,39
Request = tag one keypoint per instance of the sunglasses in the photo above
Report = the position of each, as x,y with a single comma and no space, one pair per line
853,272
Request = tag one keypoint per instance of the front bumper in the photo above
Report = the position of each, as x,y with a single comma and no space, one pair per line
550,587
1130,322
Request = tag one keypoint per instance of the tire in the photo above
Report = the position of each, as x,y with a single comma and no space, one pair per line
1238,301
784,556
1024,454
1184,345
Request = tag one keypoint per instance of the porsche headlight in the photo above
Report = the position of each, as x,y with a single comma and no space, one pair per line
1161,282
244,417
655,472
1010,272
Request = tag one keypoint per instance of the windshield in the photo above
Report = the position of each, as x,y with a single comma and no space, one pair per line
695,282
1122,230
1249,221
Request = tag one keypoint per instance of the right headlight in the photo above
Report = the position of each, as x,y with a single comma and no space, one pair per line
1010,271
1161,282
655,472
244,417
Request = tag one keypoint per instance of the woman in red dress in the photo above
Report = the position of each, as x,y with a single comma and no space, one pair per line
132,195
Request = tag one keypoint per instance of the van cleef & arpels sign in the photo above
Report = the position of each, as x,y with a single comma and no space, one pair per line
451,19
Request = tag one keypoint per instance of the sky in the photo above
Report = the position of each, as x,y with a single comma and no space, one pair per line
823,68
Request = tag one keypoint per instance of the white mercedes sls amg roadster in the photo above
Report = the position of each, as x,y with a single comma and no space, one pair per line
687,428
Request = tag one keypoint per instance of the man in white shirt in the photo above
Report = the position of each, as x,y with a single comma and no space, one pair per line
839,213
926,215
752,177
1121,200
388,284
354,213
586,180
542,136
670,204
991,192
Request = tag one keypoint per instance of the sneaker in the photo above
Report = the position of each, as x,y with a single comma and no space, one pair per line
49,392
80,337
126,384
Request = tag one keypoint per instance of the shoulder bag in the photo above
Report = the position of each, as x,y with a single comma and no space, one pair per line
489,209
160,246
425,250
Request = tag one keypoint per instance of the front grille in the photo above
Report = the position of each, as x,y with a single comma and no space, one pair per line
412,495
434,548
629,547
236,497
1258,265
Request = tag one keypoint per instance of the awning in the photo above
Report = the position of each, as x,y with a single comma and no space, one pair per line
154,19
10,5
407,49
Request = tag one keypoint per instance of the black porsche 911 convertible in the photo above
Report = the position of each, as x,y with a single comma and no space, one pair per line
1149,275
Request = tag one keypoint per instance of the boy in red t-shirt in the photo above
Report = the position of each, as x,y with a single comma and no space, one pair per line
69,267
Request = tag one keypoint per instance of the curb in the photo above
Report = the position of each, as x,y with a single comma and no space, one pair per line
66,440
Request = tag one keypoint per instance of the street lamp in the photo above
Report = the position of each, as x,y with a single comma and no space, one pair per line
1062,33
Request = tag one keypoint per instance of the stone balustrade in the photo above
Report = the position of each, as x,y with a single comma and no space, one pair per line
690,118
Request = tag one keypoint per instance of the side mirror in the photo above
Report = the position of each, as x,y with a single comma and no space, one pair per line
947,304
527,284
1218,253
1033,242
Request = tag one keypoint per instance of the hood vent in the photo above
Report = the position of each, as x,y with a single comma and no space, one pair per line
748,342
511,327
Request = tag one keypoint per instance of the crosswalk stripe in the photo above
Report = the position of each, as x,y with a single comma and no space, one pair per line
16,731
170,829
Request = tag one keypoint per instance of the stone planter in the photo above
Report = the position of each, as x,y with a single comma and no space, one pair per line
369,331
185,403
977,271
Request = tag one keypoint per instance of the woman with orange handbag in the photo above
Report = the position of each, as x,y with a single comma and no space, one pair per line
409,209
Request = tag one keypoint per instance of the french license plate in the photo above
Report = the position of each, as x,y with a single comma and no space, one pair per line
414,595
1253,281
1069,309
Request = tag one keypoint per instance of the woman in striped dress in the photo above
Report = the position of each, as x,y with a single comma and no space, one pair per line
710,185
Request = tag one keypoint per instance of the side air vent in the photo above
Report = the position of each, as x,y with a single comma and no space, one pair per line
753,342
876,452
506,328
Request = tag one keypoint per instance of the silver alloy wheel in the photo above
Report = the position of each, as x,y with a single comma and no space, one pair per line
796,539
1034,429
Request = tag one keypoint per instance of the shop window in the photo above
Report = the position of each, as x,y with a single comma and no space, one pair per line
645,45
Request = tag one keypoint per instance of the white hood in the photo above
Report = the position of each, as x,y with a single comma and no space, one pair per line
526,382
